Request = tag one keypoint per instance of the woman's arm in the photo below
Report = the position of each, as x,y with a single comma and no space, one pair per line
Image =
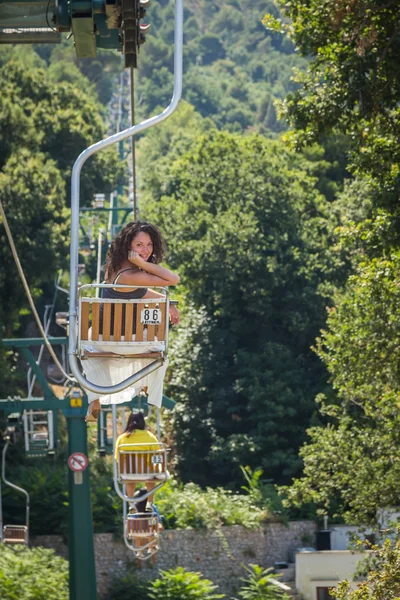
150,274
153,276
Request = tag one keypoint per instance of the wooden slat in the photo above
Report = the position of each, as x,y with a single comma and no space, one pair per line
128,322
160,329
117,322
85,321
95,321
151,329
106,321
139,325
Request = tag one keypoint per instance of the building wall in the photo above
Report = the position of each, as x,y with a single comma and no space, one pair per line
218,554
342,536
324,569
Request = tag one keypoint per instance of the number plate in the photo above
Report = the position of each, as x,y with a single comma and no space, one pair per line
150,316
156,460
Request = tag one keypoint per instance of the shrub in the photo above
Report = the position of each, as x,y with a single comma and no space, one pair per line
259,585
32,574
190,506
178,584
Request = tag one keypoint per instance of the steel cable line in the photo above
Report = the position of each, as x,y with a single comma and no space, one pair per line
29,295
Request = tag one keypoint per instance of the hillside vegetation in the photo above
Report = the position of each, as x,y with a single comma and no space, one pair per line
233,68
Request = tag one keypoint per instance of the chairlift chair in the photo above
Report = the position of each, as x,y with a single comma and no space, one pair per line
139,465
142,465
98,200
132,325
38,432
135,329
141,534
14,534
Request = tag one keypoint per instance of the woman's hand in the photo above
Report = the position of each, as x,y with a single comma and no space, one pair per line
135,258
174,314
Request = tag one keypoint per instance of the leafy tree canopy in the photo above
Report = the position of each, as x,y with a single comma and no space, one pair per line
43,127
226,77
248,231
351,466
352,80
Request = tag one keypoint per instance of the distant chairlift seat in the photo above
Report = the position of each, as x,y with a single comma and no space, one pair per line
38,432
15,534
142,534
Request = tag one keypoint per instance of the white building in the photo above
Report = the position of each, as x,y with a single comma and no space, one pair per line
318,572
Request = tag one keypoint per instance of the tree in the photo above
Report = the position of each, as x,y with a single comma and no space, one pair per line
351,467
352,81
221,43
58,119
247,230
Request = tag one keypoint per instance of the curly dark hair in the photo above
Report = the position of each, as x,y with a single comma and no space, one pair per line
118,251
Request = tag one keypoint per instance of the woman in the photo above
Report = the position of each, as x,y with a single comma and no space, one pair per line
133,259
136,433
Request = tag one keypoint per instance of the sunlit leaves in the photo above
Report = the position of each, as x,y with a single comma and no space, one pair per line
352,81
32,573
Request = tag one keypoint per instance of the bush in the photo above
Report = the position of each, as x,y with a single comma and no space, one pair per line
178,584
190,506
259,585
32,574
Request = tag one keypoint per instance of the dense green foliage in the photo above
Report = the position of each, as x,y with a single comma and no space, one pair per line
43,127
190,506
351,87
249,232
352,80
32,574
352,467
233,68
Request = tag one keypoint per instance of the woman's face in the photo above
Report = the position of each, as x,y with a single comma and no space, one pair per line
142,244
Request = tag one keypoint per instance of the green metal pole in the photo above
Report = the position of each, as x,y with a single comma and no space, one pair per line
82,570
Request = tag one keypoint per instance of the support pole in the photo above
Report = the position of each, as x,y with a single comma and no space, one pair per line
82,572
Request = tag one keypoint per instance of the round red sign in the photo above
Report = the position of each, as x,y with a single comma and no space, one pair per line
77,461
